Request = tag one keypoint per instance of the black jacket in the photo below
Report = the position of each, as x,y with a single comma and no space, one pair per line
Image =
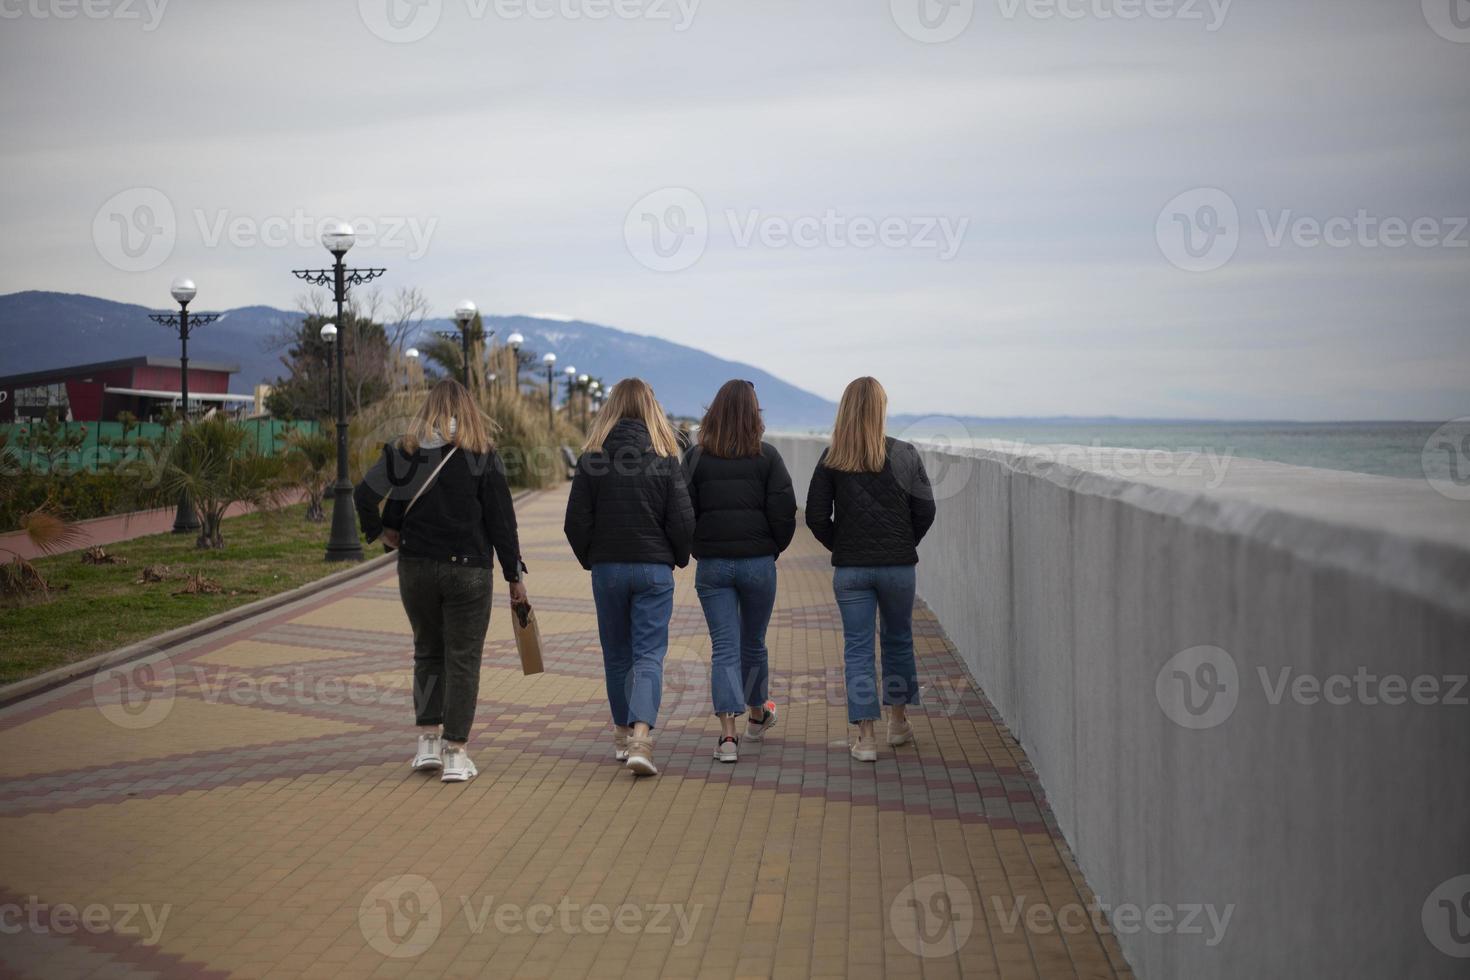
743,508
872,518
629,504
465,513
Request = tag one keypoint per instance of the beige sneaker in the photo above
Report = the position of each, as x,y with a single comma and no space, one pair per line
620,742
640,756
865,748
900,732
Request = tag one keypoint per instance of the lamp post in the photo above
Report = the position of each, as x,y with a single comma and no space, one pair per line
183,291
549,359
582,382
571,374
514,341
329,337
344,544
413,366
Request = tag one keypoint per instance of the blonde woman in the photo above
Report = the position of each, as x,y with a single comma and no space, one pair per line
870,504
448,506
629,522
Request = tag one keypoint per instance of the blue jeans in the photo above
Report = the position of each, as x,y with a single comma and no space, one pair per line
737,595
634,602
887,592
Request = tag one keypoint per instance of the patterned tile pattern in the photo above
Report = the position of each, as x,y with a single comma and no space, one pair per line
249,795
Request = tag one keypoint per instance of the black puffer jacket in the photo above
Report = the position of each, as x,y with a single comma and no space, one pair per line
743,508
629,504
462,515
872,518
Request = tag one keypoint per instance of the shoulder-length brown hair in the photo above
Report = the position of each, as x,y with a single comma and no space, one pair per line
448,402
632,398
858,440
732,425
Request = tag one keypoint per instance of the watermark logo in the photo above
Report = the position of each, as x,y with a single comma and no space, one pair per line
135,229
135,695
932,21
1450,19
144,921
933,916
400,21
1124,918
1211,13
949,471
1198,688
667,230
1446,459
1446,917
401,916
1199,230
150,12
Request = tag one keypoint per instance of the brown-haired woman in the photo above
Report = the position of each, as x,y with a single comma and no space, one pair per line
629,522
745,515
870,504
448,505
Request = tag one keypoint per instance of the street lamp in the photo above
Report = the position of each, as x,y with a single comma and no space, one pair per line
582,382
338,238
329,337
549,359
413,366
514,341
183,291
571,374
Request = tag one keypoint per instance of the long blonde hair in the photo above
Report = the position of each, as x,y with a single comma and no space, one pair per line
858,442
632,398
449,402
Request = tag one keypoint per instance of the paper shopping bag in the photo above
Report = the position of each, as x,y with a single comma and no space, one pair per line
528,637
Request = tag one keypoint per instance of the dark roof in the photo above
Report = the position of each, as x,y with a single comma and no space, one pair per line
60,373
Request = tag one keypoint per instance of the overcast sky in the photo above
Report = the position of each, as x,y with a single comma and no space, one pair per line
998,207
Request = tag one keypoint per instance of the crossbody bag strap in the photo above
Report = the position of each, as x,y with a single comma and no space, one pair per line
430,481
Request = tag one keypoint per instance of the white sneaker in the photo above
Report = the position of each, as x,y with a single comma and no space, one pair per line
457,766
620,742
640,756
728,750
430,754
755,731
864,748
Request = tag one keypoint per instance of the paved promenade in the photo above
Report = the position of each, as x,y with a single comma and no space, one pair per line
245,807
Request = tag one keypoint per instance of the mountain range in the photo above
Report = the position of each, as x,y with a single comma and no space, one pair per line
44,330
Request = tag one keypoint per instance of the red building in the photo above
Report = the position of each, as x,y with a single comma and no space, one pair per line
144,386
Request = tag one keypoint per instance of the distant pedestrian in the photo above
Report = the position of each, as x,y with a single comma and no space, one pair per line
629,521
745,516
870,504
449,505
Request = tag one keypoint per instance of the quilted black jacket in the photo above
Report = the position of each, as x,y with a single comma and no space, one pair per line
872,518
629,504
465,513
743,508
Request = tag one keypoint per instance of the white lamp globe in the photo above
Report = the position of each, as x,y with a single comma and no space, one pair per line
338,237
515,341
548,359
412,352
571,371
581,379
465,312
183,289
329,332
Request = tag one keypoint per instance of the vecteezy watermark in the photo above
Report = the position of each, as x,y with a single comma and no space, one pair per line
34,916
149,12
1210,13
1450,19
1200,687
669,229
933,916
1446,917
1446,459
932,21
407,21
136,230
1123,918
1201,229
136,694
401,917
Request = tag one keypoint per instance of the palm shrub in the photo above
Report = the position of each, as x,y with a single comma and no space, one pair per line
217,463
311,459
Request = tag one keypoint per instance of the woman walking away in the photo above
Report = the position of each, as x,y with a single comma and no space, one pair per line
745,515
448,505
629,522
870,504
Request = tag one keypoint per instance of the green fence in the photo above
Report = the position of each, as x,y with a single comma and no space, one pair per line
104,444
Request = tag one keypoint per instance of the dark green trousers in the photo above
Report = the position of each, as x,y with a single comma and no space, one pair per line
448,607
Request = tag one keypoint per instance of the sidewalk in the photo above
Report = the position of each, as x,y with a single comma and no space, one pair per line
245,807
